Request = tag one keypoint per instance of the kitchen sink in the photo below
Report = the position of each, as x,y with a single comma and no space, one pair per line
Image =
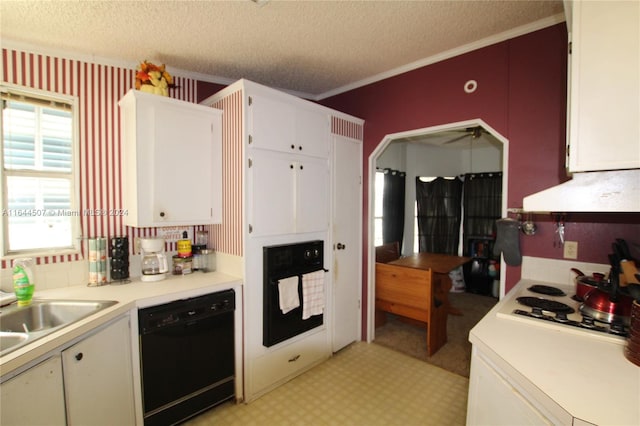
21,325
9,340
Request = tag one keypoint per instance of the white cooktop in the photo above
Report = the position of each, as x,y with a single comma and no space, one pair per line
510,305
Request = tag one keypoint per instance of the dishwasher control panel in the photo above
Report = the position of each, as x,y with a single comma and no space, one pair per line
185,311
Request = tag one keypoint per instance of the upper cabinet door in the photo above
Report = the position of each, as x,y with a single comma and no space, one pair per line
187,167
271,124
312,132
287,125
271,194
604,124
172,161
312,181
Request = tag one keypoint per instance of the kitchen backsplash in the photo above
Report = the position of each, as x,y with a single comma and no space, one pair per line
557,271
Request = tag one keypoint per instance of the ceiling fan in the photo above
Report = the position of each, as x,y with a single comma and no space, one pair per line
473,132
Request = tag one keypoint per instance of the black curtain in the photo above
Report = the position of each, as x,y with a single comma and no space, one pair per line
439,214
482,204
393,207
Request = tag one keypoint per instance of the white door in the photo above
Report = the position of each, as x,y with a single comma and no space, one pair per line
347,240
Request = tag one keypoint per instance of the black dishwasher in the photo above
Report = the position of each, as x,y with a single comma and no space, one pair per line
186,356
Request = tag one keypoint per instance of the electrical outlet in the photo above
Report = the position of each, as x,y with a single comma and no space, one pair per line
570,249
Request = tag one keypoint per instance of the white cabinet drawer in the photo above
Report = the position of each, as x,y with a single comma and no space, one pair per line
288,361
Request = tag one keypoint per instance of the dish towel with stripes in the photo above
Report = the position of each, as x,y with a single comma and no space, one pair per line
312,294
288,294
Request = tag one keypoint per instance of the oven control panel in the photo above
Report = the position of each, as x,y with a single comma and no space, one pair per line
293,259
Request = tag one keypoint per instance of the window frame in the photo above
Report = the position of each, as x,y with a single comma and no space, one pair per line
74,176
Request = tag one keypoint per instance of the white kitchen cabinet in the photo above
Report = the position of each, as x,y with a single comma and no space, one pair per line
276,123
604,80
98,377
279,159
284,362
287,193
87,383
172,161
497,399
34,397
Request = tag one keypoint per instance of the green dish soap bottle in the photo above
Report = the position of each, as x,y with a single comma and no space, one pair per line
23,280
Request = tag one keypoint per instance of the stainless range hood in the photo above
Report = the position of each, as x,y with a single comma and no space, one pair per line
606,191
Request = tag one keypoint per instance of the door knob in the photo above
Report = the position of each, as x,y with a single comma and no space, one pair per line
341,246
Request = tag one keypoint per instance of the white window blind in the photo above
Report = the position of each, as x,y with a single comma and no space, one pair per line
39,210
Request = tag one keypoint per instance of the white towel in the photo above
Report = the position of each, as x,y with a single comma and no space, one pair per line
312,294
288,294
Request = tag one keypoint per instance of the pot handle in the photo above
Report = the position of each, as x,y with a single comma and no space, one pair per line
577,271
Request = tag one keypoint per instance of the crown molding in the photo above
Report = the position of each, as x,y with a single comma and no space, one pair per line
488,41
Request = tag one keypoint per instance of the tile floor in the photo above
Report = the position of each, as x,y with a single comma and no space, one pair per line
364,384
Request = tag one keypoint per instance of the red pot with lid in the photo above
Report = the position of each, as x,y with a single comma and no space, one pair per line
605,303
585,284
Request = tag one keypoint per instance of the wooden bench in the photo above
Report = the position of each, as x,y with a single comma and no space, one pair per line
417,294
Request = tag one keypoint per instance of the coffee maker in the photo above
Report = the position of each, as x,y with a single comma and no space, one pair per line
154,262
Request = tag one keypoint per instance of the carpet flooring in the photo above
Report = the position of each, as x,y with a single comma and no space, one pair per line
455,355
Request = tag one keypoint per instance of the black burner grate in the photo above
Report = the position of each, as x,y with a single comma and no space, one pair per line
546,290
545,305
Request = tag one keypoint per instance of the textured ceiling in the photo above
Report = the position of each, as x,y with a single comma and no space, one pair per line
308,47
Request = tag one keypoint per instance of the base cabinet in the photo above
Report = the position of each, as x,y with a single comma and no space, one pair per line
98,378
497,398
89,383
281,364
35,396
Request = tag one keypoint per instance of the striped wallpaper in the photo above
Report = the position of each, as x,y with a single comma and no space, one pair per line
349,129
227,237
98,89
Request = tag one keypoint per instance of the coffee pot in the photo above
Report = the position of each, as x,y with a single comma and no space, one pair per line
154,262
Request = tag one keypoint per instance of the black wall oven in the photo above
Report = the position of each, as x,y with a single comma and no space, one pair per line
285,261
187,356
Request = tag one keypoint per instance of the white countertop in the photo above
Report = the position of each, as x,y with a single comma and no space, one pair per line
588,377
136,294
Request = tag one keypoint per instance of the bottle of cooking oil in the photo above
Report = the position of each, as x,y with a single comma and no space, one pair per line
23,280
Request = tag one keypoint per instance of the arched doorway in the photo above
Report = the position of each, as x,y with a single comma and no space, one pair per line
471,139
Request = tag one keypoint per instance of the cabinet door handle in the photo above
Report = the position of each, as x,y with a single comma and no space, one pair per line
161,214
293,146
79,356
341,246
295,358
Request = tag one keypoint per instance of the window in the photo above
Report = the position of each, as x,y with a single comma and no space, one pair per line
377,210
416,233
39,194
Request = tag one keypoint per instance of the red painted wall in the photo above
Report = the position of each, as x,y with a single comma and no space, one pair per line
522,94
